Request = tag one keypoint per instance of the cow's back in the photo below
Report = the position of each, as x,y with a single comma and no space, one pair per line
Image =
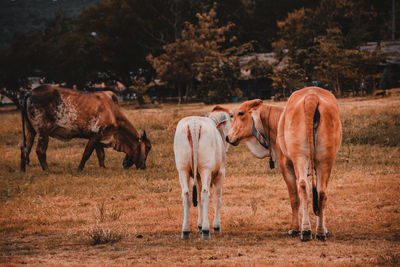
211,151
292,125
65,113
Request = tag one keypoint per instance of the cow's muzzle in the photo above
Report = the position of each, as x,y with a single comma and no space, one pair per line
128,162
234,143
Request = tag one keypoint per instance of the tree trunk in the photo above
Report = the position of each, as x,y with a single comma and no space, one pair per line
140,100
187,93
179,95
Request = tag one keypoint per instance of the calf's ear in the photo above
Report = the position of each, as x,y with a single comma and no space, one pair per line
221,124
222,120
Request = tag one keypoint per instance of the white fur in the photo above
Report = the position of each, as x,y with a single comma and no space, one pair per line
210,149
257,149
66,113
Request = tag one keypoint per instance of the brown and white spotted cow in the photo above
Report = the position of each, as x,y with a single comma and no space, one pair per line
51,111
302,138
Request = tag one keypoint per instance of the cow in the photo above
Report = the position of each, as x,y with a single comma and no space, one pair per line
61,113
302,138
200,148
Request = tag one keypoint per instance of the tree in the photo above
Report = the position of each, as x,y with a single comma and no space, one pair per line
204,52
139,87
287,76
15,67
321,43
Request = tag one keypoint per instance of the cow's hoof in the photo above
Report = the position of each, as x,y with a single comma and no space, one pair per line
185,235
321,237
293,233
206,234
327,234
199,229
217,230
305,236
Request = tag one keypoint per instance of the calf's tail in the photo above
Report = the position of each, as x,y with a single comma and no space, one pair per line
311,103
194,136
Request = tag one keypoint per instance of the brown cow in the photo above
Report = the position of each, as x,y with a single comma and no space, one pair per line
305,136
51,111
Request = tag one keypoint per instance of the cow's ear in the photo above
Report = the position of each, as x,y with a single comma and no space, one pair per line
255,103
222,120
221,125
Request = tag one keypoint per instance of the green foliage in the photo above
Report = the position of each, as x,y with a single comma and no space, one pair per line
195,52
372,129
321,47
140,88
287,77
205,52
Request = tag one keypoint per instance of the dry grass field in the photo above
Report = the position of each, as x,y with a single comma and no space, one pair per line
117,217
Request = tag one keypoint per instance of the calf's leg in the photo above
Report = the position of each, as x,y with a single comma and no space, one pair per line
205,200
199,205
217,193
184,181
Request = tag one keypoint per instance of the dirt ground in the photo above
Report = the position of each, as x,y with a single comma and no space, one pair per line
53,218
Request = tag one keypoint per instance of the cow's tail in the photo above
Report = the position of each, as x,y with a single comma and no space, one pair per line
24,118
194,131
311,103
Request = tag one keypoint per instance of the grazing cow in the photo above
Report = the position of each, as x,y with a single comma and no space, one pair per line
200,148
305,136
64,114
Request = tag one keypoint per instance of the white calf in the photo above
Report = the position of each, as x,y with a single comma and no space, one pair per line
200,148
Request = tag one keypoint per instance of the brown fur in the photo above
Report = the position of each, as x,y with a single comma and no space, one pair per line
219,108
293,133
64,114
241,127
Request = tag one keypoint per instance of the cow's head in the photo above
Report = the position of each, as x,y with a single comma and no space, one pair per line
139,156
223,119
241,127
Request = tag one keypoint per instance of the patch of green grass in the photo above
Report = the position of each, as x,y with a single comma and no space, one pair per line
373,129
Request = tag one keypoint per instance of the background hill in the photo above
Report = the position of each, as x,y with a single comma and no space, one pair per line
19,16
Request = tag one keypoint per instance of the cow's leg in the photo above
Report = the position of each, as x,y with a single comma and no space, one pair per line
290,179
88,151
30,138
100,154
217,192
41,148
184,181
30,134
205,199
301,169
323,173
199,206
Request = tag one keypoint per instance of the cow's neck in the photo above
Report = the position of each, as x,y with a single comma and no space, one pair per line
269,116
256,148
127,125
